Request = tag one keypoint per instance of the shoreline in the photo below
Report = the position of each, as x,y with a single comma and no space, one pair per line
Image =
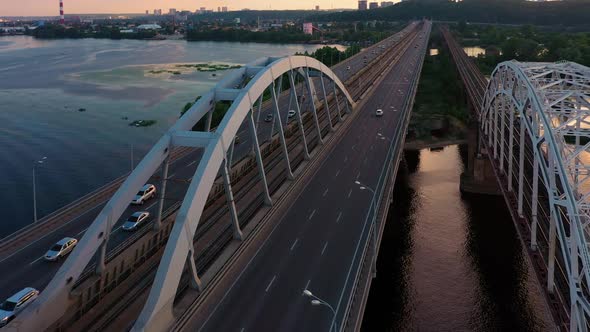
421,144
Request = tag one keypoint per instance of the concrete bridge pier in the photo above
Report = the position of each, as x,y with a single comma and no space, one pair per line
479,176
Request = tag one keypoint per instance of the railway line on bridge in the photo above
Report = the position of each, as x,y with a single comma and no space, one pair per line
522,150
92,290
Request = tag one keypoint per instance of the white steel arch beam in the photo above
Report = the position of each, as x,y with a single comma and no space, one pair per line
157,312
55,298
553,102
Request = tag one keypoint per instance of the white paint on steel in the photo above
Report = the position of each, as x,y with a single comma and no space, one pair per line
551,101
55,298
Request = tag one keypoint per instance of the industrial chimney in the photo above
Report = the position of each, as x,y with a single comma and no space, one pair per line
61,12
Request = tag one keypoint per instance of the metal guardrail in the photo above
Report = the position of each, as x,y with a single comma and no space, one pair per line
391,160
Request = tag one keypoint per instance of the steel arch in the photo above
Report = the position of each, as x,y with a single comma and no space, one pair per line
552,102
259,75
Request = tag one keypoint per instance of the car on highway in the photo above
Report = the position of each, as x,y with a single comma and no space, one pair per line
135,220
237,140
291,113
148,191
60,249
379,112
268,117
16,303
347,67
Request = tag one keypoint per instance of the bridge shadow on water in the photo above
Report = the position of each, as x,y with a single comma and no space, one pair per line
448,262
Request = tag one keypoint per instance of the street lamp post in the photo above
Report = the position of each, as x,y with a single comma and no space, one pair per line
35,164
316,301
374,203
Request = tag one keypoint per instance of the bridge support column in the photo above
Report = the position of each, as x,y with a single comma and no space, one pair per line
511,151
230,153
259,162
535,202
158,221
326,101
209,119
102,252
522,133
313,109
281,132
338,108
275,91
495,128
299,118
229,196
195,281
502,114
552,231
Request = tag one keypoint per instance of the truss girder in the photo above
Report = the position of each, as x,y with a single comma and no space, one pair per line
551,100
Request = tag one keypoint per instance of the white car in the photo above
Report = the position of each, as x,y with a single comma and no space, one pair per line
135,220
348,68
60,249
379,112
291,113
148,191
16,303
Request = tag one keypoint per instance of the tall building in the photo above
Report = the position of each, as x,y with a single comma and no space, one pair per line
362,4
224,9
219,9
172,11
373,5
317,8
147,12
386,3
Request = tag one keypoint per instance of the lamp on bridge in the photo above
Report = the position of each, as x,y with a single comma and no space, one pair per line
316,301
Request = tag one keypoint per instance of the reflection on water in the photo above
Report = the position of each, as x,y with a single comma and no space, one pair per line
448,262
44,84
433,51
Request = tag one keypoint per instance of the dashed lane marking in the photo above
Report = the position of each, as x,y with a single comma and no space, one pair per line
339,216
324,249
311,215
294,244
270,284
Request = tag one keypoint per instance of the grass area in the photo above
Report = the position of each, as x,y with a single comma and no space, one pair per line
440,110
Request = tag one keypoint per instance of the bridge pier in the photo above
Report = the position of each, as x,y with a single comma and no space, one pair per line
479,177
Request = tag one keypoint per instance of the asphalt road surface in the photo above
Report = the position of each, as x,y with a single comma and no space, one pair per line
314,242
26,267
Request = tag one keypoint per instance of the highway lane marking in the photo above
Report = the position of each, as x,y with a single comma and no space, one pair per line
270,283
55,230
171,176
324,249
349,193
36,260
358,175
243,329
325,192
339,216
294,244
345,158
84,230
311,215
307,285
191,163
116,229
337,172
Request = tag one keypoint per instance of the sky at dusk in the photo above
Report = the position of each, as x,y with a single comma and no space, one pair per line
51,7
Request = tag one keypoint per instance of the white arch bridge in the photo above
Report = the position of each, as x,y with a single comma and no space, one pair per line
535,126
246,88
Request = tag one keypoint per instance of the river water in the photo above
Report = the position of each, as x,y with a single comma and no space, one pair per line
449,262
44,85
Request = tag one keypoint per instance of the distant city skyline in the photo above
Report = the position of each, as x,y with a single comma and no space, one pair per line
51,7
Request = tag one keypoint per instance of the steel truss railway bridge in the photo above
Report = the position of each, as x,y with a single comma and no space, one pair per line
533,121
244,172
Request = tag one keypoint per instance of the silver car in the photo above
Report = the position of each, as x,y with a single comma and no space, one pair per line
148,191
135,220
60,249
16,303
